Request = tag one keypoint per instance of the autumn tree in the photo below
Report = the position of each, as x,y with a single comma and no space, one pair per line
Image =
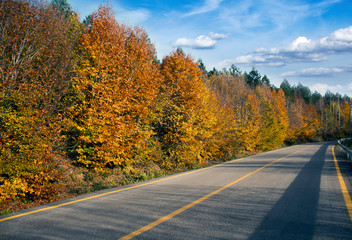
94,95
179,98
186,124
248,122
346,118
279,102
304,121
35,64
335,113
114,87
242,106
274,118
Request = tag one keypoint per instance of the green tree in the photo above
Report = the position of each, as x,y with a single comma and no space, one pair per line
64,7
253,78
288,89
265,80
202,67
304,92
235,71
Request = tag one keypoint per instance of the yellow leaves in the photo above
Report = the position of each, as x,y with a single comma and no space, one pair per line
36,40
189,126
182,80
111,104
12,188
248,122
303,121
119,82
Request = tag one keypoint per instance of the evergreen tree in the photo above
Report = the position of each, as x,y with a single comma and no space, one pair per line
253,78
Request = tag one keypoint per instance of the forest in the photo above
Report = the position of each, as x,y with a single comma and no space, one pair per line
88,105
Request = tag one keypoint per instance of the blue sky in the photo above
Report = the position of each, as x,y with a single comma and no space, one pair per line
306,41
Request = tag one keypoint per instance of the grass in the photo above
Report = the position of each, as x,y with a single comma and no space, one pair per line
6,211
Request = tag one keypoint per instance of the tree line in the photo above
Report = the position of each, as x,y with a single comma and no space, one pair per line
88,105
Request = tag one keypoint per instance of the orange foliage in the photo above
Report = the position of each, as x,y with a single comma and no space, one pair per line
34,64
248,122
275,120
346,117
115,86
188,124
97,92
303,121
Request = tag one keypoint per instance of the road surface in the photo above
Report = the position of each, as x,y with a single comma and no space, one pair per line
293,193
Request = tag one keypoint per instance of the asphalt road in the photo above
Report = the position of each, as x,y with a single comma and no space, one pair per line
292,193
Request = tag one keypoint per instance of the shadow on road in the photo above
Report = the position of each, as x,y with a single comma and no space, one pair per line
288,219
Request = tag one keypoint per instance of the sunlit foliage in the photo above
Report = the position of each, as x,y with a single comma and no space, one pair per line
87,105
113,91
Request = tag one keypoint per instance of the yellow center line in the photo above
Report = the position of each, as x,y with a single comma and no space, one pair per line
180,210
344,190
115,191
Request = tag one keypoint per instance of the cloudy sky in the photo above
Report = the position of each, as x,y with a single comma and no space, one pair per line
306,41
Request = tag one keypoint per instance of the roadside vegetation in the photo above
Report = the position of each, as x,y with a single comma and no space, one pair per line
348,143
87,105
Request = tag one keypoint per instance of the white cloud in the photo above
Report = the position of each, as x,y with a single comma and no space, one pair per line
344,35
201,42
337,88
302,49
299,44
338,41
314,72
217,36
323,87
209,5
249,59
